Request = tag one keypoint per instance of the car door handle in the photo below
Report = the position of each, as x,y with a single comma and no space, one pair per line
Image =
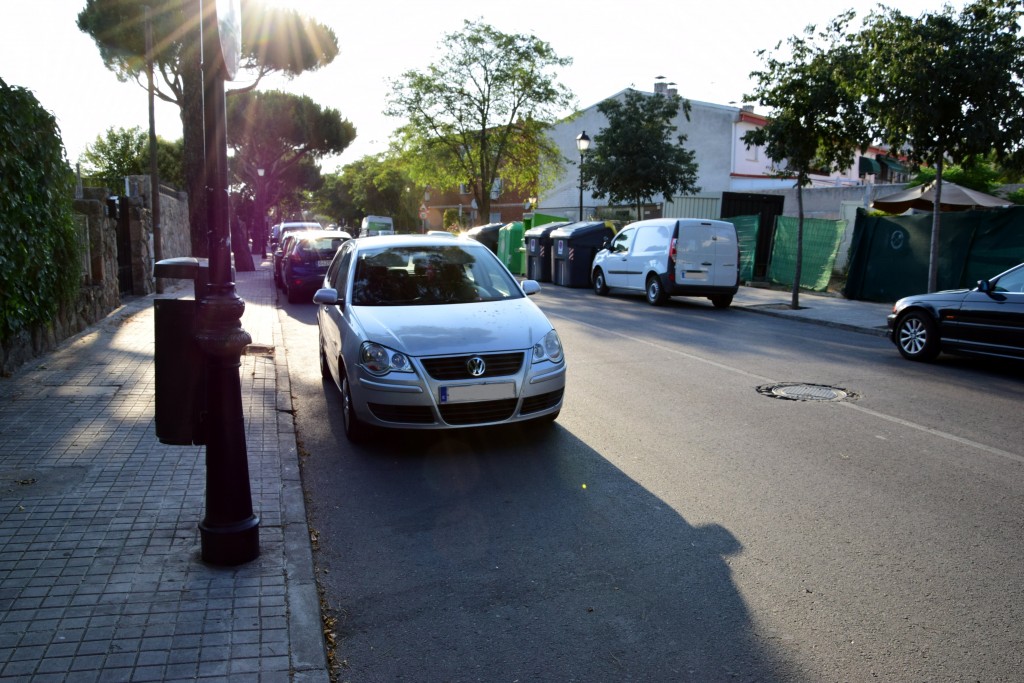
706,263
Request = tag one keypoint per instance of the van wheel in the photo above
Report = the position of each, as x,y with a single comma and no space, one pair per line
655,292
721,301
600,286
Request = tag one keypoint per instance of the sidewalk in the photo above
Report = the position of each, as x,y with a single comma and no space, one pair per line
856,316
100,575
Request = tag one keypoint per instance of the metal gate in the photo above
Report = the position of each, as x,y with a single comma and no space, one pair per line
117,207
766,206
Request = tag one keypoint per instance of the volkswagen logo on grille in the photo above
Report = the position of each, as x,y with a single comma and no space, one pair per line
476,366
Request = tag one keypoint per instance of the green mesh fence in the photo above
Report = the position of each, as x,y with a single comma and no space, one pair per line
821,243
889,254
746,235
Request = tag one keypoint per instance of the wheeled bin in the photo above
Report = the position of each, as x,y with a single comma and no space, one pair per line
538,250
575,246
510,247
486,235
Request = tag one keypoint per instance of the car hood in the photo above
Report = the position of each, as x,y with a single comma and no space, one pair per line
945,296
448,329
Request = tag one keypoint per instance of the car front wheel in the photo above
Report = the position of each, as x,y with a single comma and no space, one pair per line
600,286
355,429
917,337
325,370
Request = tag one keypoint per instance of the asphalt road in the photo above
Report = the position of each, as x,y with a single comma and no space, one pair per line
678,524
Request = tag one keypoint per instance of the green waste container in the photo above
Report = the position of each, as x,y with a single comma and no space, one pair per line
510,247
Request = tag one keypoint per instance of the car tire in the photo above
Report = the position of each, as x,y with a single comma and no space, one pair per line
655,291
600,285
293,296
355,429
721,300
325,370
917,336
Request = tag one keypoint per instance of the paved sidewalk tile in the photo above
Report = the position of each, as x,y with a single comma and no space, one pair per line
100,572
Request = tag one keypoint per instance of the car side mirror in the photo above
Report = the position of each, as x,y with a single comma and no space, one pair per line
327,296
984,286
530,287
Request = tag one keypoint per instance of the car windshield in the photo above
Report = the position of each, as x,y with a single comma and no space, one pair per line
429,275
322,247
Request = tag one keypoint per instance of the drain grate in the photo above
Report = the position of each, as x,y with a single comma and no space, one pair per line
800,391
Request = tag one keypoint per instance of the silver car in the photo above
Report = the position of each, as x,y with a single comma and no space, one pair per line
431,332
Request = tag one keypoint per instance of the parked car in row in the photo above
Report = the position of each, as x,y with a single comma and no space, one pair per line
664,257
278,231
305,259
987,320
434,332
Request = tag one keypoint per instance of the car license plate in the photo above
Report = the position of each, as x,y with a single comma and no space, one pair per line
323,263
462,393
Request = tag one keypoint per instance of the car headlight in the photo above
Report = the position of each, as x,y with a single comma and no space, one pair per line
380,360
549,348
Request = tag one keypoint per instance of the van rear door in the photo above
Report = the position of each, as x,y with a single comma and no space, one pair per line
706,254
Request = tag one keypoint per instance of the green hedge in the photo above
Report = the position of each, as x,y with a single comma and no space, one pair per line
39,254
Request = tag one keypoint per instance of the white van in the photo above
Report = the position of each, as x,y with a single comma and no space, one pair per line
376,225
665,257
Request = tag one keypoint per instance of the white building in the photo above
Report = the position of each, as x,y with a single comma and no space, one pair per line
724,163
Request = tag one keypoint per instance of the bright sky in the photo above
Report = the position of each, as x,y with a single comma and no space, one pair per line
706,48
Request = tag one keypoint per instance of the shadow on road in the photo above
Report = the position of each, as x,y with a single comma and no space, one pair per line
522,554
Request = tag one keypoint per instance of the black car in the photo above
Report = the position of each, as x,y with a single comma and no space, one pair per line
306,258
987,320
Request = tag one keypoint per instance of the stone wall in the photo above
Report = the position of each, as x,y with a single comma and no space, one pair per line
99,293
97,296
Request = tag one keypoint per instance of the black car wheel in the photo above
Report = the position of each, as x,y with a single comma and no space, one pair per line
917,336
655,292
355,429
721,300
600,286
325,370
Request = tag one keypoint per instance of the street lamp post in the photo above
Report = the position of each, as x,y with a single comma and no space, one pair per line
582,144
229,532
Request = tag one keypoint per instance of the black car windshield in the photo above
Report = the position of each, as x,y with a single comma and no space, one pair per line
429,275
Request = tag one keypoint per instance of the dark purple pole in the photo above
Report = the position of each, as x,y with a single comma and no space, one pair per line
230,530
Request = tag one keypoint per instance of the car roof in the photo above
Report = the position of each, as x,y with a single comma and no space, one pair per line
317,234
415,240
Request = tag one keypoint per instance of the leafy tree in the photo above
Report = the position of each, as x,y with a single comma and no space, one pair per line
121,152
39,264
273,40
117,153
284,135
949,87
981,175
815,122
379,185
481,112
334,199
170,160
635,156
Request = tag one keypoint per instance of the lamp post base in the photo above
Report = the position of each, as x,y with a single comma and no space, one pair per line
232,545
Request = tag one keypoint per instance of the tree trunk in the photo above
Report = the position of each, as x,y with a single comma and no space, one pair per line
194,161
933,247
798,269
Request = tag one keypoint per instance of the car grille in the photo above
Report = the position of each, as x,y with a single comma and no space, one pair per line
454,367
544,401
478,412
421,415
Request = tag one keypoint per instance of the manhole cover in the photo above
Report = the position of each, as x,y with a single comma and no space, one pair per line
799,391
